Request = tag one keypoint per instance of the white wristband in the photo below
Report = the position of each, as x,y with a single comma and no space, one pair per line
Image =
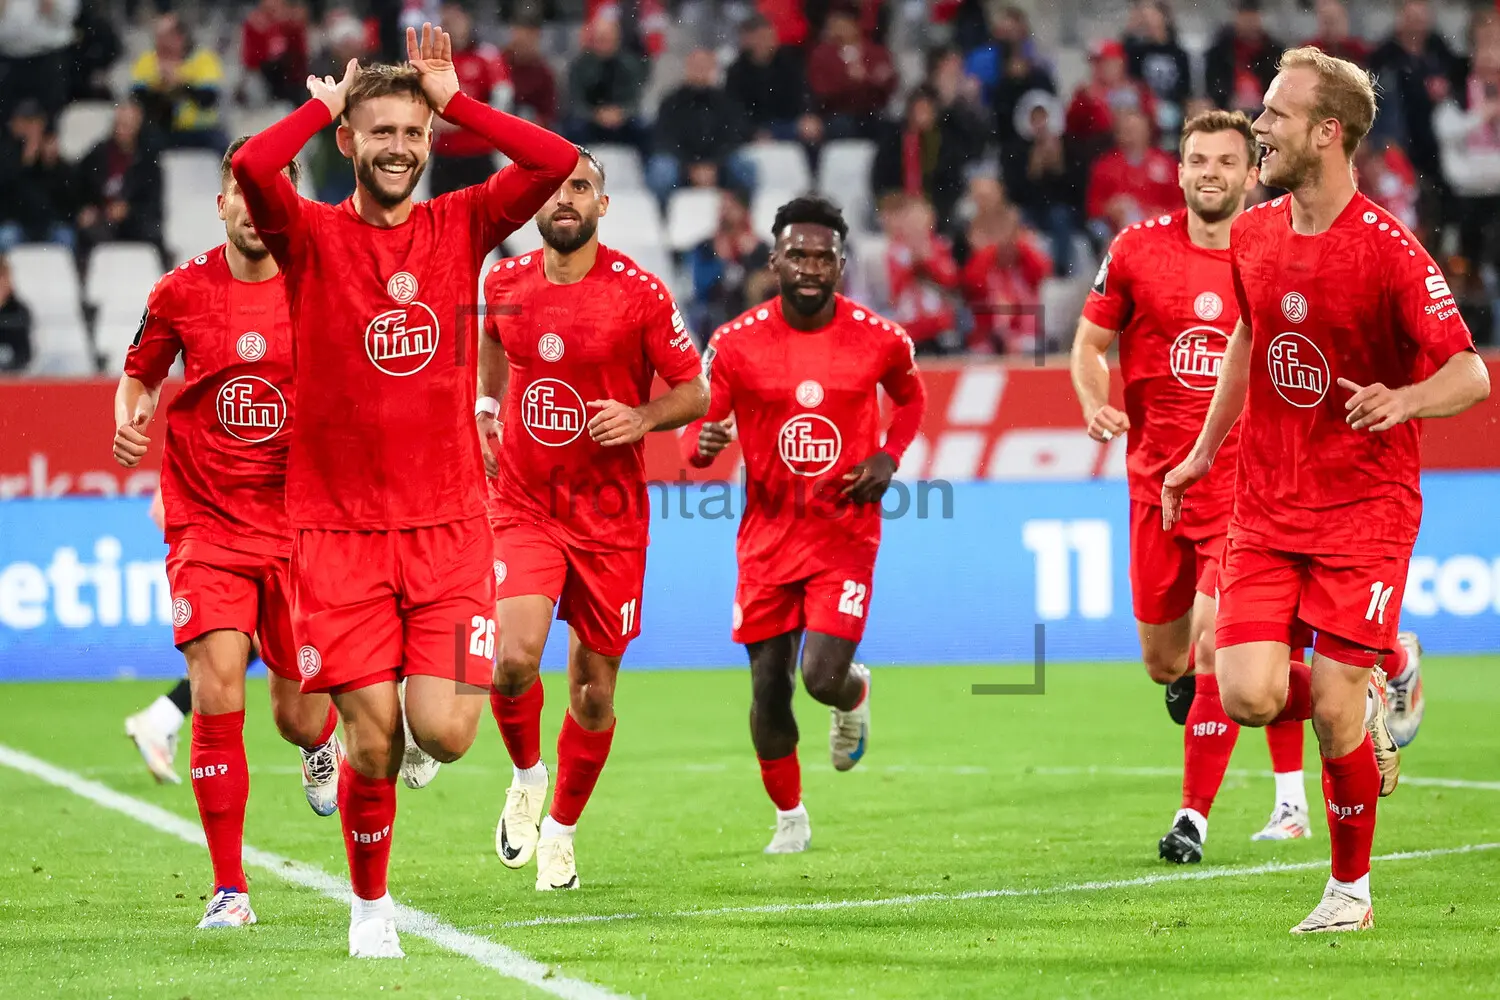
487,404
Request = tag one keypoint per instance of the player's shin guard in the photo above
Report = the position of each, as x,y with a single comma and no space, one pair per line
221,784
520,722
367,812
783,780
581,754
1351,786
1298,706
1207,743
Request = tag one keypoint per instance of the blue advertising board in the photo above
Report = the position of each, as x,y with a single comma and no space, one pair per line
966,573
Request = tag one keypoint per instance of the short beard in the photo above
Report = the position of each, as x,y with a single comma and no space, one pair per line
368,179
1230,206
254,253
568,244
789,295
1295,171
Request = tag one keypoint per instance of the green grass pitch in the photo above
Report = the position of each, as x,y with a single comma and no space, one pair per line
959,794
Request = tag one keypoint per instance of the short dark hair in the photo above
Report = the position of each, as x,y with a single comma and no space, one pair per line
587,154
1221,121
383,80
293,170
811,210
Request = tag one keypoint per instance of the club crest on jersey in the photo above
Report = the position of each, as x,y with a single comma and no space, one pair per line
1197,354
552,412
1294,307
182,611
401,341
550,347
1299,371
402,287
810,444
500,572
737,616
1208,307
250,409
250,347
309,661
809,393
1102,277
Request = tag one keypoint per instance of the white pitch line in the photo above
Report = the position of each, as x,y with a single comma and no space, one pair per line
1176,772
1271,868
497,957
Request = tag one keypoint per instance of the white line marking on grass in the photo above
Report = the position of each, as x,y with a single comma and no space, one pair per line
1176,772
1271,868
506,961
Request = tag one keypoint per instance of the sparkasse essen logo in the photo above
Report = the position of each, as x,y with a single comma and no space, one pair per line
250,409
1298,370
810,444
552,412
1197,354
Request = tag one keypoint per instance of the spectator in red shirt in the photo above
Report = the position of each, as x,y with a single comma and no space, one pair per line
1133,182
1002,284
1091,116
459,157
1241,63
1333,34
851,79
273,43
1386,177
921,274
533,87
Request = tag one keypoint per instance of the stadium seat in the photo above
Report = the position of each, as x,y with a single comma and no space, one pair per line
763,209
844,175
622,168
779,164
83,125
250,120
46,281
119,279
523,239
633,222
191,181
692,216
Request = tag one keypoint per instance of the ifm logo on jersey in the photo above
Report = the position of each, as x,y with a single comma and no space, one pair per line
401,341
1298,370
250,409
552,412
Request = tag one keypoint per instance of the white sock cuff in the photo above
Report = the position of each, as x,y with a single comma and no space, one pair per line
364,909
164,715
796,812
1199,821
552,828
536,774
1359,888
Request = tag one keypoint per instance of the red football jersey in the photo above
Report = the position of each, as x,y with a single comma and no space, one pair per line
386,326
223,467
604,337
1363,301
806,411
1173,303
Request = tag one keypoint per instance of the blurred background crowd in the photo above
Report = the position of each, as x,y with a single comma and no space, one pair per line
984,152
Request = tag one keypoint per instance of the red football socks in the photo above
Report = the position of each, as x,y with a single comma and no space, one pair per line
1285,741
520,722
580,757
367,812
1351,786
329,725
1298,706
221,784
783,780
1207,743
1394,663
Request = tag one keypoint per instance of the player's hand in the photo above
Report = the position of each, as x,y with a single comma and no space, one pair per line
131,441
1374,407
1108,423
616,423
867,481
489,442
432,58
1176,484
714,438
331,93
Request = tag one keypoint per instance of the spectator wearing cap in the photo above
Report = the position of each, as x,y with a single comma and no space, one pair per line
459,157
698,130
851,78
729,269
924,155
1333,34
273,45
120,186
533,87
1042,175
15,325
1153,56
1417,71
35,194
605,83
1108,92
1239,66
769,83
1133,182
35,36
178,85
1002,284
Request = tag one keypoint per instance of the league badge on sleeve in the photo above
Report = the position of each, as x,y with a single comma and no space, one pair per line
1102,277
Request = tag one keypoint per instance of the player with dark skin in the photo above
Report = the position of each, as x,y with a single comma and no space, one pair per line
808,261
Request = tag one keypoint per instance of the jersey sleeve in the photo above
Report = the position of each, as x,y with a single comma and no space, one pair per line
497,302
1109,303
669,346
903,383
720,401
157,343
259,169
1425,308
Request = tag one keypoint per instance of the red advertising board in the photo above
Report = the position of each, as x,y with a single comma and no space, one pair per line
984,421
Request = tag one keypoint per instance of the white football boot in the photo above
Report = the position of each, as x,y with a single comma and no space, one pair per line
555,865
372,929
1404,693
1387,753
1338,911
849,735
320,776
418,768
520,823
1287,822
227,908
793,832
156,741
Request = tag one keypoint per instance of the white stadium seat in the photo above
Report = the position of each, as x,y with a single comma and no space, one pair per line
191,181
528,237
250,120
119,280
692,217
763,208
781,165
623,170
46,281
83,125
633,222
844,176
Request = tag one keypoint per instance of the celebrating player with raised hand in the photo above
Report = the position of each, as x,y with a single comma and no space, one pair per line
576,332
1348,335
799,374
1164,290
224,463
391,565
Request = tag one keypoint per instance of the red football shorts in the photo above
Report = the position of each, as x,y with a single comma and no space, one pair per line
1264,593
834,602
214,587
1168,567
597,593
372,604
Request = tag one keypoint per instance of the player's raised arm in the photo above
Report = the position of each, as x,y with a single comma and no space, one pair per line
1090,367
1227,405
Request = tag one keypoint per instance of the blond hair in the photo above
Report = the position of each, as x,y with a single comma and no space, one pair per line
1345,92
1221,121
383,80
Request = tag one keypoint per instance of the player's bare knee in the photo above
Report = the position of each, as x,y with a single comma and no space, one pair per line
375,758
824,681
448,740
1249,708
296,724
1203,650
593,704
1163,669
516,668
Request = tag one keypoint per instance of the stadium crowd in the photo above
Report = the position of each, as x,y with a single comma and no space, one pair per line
984,177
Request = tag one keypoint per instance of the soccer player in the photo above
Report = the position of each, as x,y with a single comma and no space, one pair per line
575,333
1164,291
392,558
799,375
224,465
1348,335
